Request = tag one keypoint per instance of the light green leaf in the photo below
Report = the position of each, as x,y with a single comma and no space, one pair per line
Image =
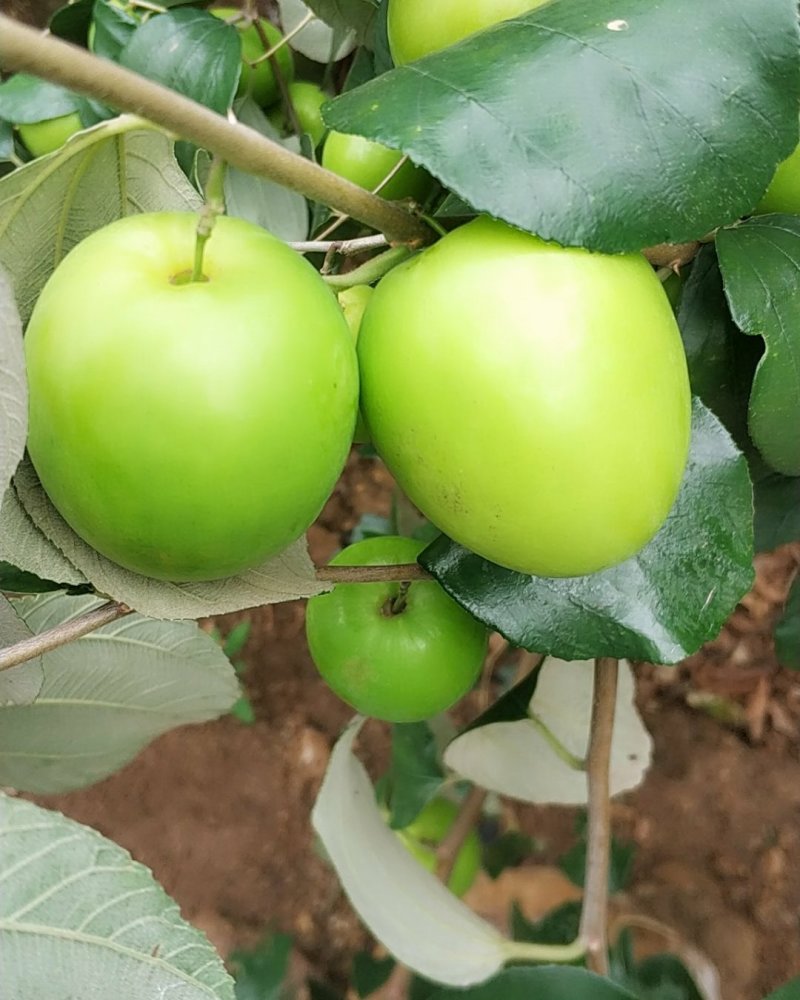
24,546
42,531
265,203
516,759
80,918
18,685
317,41
13,386
99,175
107,695
405,906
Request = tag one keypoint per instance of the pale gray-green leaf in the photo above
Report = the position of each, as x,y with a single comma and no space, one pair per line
107,695
13,387
80,918
285,577
317,41
403,904
101,174
514,758
265,203
18,685
23,545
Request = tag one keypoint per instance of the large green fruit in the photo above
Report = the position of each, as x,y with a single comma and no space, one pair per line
259,80
418,27
401,661
369,163
188,430
533,401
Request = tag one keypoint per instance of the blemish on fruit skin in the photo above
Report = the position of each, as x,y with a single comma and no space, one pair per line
619,25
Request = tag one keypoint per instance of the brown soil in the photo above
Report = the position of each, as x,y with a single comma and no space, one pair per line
220,812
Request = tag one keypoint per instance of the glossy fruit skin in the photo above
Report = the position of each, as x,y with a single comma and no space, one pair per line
428,830
45,137
307,99
367,163
783,193
259,80
354,303
403,667
419,27
188,431
532,401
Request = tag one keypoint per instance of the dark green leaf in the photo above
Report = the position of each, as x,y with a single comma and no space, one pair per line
661,605
787,631
113,29
321,991
369,973
235,639
789,991
721,360
72,21
192,52
760,264
16,581
508,850
546,982
416,774
577,122
777,508
6,142
243,711
560,926
260,973
26,99
514,704
664,977
573,864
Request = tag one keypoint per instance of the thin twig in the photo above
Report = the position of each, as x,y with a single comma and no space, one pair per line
22,48
594,912
343,247
44,642
468,814
372,574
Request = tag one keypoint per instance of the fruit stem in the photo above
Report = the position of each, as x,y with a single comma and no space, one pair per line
342,247
468,815
397,605
370,271
594,912
24,49
214,206
529,951
555,744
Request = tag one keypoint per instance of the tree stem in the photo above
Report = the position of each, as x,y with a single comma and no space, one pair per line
343,247
594,913
24,49
468,815
44,642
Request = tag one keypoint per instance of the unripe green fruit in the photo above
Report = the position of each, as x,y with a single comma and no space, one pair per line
428,830
398,661
419,27
307,99
259,80
354,302
45,137
368,163
188,430
531,400
783,193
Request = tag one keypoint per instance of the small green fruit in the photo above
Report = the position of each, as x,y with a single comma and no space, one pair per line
354,302
259,80
307,99
368,164
783,193
428,830
45,137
